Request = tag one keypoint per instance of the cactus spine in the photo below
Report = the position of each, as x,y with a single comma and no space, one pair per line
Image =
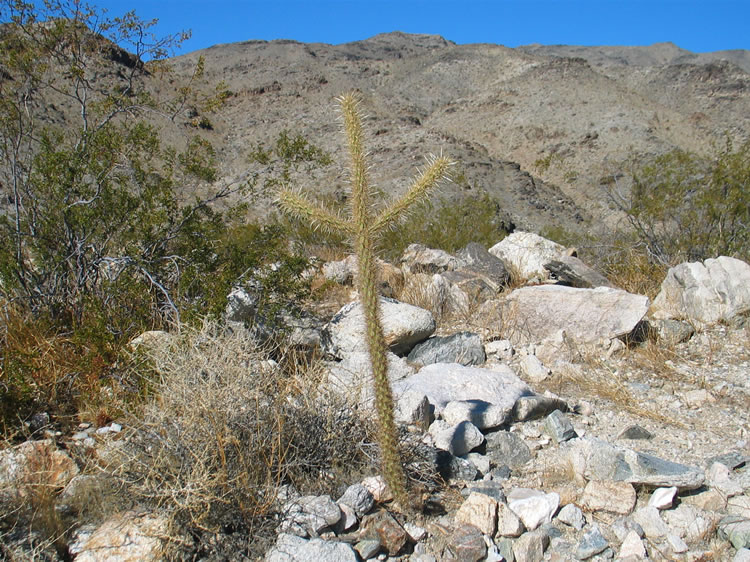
364,229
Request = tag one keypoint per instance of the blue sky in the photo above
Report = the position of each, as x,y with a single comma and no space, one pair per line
698,26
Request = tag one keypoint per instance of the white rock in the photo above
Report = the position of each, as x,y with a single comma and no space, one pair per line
289,548
414,531
533,368
445,382
348,518
533,507
526,253
718,476
653,525
531,314
690,523
479,510
482,462
482,414
418,258
459,439
501,349
632,548
352,377
742,555
378,488
404,326
508,523
124,536
572,515
34,464
605,495
311,514
704,293
413,408
677,545
662,498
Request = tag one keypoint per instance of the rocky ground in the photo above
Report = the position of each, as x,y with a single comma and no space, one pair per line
622,435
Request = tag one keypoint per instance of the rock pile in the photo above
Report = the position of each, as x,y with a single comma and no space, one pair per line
537,465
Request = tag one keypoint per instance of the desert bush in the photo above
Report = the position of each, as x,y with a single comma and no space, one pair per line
683,207
96,242
227,427
448,225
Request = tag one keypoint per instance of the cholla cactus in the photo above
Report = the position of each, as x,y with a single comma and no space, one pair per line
364,230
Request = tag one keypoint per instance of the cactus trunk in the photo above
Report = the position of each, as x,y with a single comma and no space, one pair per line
364,229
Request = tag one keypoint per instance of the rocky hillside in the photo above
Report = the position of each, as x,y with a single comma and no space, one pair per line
540,128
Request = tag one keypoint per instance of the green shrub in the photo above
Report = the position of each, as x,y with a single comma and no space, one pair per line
447,225
685,207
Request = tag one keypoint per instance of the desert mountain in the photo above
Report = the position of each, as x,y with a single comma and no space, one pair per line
543,129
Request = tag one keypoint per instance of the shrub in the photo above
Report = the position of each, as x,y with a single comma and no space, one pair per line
448,225
685,207
96,243
226,428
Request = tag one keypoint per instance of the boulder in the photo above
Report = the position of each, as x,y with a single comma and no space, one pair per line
464,347
458,439
33,464
526,253
436,292
532,314
595,459
344,272
244,310
125,536
477,260
569,270
477,288
704,293
479,510
533,507
309,515
352,376
507,449
421,259
404,326
480,413
446,382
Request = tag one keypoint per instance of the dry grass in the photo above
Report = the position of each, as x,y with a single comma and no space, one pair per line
227,427
597,379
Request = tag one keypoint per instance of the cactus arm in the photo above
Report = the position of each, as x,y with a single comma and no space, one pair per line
421,188
296,205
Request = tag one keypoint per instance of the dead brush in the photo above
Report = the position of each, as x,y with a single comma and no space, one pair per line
227,427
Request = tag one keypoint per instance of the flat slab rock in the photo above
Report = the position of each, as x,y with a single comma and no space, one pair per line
532,314
404,326
447,382
598,460
290,548
704,293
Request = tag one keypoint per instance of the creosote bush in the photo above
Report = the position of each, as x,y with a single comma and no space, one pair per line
225,428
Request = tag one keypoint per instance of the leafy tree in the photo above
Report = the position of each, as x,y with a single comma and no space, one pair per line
685,207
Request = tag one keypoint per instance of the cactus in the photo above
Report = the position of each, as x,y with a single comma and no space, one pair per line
363,230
